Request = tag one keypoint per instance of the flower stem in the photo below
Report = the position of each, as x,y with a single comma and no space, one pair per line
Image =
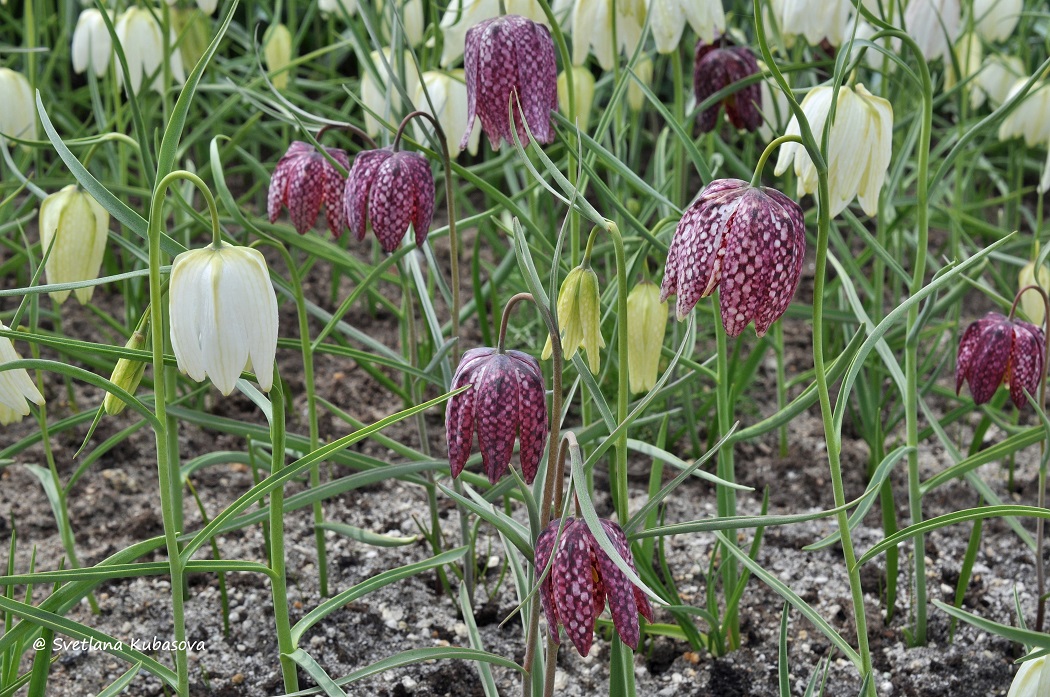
726,465
790,138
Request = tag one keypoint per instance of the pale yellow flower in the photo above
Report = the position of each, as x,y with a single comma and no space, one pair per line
15,386
646,326
815,20
591,25
142,39
92,44
579,317
1032,679
277,52
126,374
17,110
667,19
583,92
1031,302
79,226
448,94
995,20
383,98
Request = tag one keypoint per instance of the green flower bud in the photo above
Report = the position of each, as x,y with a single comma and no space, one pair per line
583,93
127,374
1031,303
579,314
277,51
646,325
644,70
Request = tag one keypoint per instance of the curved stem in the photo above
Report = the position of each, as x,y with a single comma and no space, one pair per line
790,138
349,128
514,300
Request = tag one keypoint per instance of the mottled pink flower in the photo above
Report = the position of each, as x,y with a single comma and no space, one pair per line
388,190
507,399
302,181
718,66
504,57
996,350
748,241
574,592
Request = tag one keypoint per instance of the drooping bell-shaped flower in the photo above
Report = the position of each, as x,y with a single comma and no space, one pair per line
1032,679
1031,119
996,350
646,326
389,191
15,385
223,313
79,227
142,40
717,67
995,79
591,26
583,94
582,576
507,399
205,6
92,44
747,241
934,24
995,20
510,64
815,20
461,15
448,97
579,318
127,374
304,179
379,92
668,18
277,52
1031,302
859,146
17,109
338,7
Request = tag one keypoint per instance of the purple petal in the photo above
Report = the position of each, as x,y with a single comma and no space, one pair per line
305,190
358,185
541,558
459,410
390,202
743,107
471,50
532,412
990,360
622,604
710,74
496,414
420,180
574,585
333,192
1026,361
497,77
537,81
968,345
277,195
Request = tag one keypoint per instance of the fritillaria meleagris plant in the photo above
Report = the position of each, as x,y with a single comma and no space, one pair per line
387,190
510,60
998,350
302,181
717,66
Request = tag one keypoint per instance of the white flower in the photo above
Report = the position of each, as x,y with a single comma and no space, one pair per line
223,315
384,101
448,93
79,226
816,20
997,75
143,43
859,146
206,6
1031,119
592,28
277,52
92,44
968,53
15,386
17,110
583,93
667,19
934,24
995,20
338,6
775,108
412,18
461,15
1032,679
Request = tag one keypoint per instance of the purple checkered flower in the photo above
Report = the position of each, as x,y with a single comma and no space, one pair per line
996,350
748,241
389,190
507,398
302,181
718,66
505,56
581,578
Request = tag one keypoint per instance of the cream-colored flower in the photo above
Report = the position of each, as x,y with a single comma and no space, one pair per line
646,326
591,25
92,44
644,70
277,52
583,92
412,18
142,39
205,6
995,20
448,94
1031,302
15,385
968,53
859,146
775,108
223,313
461,15
338,6
934,25
579,318
1031,120
1032,679
667,19
17,111
997,75
383,98
79,226
815,20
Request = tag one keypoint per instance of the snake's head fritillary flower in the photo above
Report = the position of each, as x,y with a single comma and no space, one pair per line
579,318
447,103
818,21
717,67
646,326
76,227
669,17
747,241
934,25
277,52
995,20
389,191
15,385
1032,679
582,577
142,39
302,181
223,315
644,70
507,399
17,109
583,94
591,25
1032,303
509,60
92,44
996,350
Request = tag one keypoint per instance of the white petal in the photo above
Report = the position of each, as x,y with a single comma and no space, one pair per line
188,305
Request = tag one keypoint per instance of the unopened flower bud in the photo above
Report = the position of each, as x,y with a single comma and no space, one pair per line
644,70
126,374
579,315
277,50
583,93
646,325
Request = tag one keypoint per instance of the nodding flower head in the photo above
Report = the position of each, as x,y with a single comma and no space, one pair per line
748,241
718,66
507,398
996,350
582,576
504,57
302,181
389,190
